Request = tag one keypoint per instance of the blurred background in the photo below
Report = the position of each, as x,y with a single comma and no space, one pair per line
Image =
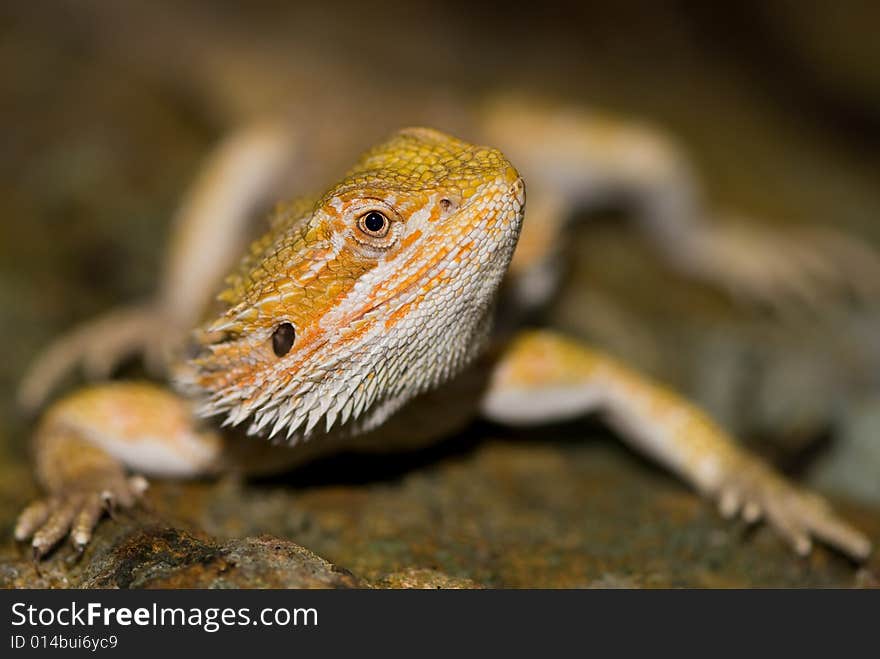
111,106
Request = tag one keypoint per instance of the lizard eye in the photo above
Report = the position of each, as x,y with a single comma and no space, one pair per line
282,339
374,224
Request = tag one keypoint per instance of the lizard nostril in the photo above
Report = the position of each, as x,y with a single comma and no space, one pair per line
447,207
518,190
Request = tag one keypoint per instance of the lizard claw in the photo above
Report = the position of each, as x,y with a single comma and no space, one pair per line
799,516
75,514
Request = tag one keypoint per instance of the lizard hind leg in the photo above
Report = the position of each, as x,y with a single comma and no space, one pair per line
91,448
543,377
581,159
99,346
246,170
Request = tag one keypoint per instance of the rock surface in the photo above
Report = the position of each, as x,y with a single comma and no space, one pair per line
543,510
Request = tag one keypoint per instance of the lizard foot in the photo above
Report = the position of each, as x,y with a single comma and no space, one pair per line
808,267
755,492
46,521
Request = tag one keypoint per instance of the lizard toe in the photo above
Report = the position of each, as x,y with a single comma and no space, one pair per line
798,516
56,525
85,521
75,514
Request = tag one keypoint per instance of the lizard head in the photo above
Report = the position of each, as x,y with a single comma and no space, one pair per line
380,290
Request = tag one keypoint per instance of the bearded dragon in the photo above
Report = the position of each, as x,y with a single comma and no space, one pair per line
364,319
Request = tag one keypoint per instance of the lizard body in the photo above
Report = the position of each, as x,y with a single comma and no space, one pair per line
365,319
574,159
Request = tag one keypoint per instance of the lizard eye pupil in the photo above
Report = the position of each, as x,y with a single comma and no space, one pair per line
374,223
282,339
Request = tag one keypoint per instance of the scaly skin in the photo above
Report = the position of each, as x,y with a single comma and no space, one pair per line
364,318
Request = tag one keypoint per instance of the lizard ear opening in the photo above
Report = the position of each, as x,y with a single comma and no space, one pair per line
282,339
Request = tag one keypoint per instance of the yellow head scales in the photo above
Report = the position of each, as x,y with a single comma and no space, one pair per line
378,316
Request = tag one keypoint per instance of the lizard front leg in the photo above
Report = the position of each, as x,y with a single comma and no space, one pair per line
542,376
87,445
